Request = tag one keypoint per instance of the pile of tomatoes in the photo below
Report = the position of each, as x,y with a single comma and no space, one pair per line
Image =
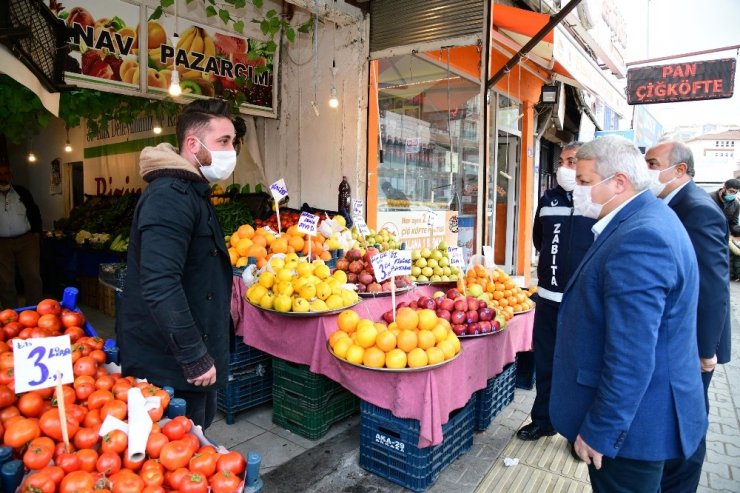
30,423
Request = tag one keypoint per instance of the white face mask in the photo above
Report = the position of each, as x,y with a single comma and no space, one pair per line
656,186
222,164
4,188
566,178
584,204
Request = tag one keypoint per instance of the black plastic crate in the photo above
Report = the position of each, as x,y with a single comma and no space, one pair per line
389,445
249,389
498,394
312,422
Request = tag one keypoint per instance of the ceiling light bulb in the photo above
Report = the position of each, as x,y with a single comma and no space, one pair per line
333,101
175,89
157,129
67,147
31,157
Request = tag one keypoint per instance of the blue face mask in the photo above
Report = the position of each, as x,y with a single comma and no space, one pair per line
729,197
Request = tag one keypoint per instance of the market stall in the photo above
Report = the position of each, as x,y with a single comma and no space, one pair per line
427,396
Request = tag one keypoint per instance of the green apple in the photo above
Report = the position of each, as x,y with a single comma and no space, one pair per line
446,271
442,246
475,290
454,270
437,255
422,262
445,278
422,279
427,271
426,253
438,271
435,278
415,270
444,262
438,294
453,277
432,263
415,255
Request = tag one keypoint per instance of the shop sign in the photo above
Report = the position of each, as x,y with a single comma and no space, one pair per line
413,228
105,54
686,81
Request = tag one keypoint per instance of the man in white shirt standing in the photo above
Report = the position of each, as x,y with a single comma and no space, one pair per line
20,227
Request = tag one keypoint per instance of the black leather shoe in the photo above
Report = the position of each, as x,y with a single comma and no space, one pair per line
533,432
573,453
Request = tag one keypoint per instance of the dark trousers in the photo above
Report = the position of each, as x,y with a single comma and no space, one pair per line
201,406
23,252
621,475
683,476
545,325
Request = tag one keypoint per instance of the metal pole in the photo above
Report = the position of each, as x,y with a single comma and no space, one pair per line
683,55
554,21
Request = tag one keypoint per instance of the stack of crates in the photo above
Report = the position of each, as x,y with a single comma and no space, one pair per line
249,380
306,403
498,394
389,445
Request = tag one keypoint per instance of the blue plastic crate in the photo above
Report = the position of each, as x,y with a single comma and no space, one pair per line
389,445
242,357
250,389
498,394
69,301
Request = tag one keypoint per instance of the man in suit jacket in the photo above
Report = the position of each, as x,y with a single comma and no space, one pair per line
626,382
672,167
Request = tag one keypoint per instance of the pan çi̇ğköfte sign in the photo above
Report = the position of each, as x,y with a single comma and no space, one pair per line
687,81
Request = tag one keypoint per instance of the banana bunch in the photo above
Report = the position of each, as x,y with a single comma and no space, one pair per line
196,40
119,244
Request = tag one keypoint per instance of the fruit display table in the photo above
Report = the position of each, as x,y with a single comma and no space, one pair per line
427,396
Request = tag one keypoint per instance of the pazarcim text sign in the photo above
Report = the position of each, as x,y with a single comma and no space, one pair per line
688,81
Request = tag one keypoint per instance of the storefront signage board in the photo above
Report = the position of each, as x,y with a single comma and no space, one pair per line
684,81
411,227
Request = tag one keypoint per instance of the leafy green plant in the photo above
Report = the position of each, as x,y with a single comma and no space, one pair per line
23,113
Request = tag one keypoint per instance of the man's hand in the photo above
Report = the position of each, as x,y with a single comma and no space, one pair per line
708,364
206,379
587,453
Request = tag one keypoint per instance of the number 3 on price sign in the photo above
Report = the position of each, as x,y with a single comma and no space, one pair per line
38,361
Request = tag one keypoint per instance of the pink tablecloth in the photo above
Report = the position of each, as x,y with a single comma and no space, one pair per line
427,396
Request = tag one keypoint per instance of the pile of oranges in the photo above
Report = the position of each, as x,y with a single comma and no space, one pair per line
260,243
505,296
415,340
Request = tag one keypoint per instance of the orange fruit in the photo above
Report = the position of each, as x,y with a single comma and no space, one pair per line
234,240
407,319
342,345
427,319
366,335
242,246
296,242
355,354
280,245
336,335
256,251
417,358
373,357
435,355
440,332
233,256
259,240
447,347
407,340
385,340
347,321
396,359
426,339
245,231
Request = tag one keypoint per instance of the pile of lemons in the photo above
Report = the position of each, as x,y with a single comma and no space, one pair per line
415,340
293,284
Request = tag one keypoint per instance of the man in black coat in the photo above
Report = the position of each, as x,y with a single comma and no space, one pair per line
20,227
173,325
672,166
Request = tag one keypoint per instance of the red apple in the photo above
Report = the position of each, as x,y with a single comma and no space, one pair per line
482,304
485,327
457,317
414,305
447,304
388,316
427,303
471,316
461,305
401,305
473,329
444,314
438,301
459,329
495,325
486,314
452,293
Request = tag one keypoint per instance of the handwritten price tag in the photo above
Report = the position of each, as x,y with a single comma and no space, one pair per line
270,230
356,207
361,226
401,262
456,257
488,256
37,362
307,223
382,265
279,190
431,217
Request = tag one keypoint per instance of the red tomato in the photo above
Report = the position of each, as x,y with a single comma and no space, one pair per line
175,454
7,377
133,465
11,330
174,429
49,306
20,432
77,481
207,449
28,318
88,459
108,463
74,333
39,453
115,408
153,489
120,389
194,483
69,396
86,438
152,477
104,383
25,333
8,412
49,323
6,360
7,396
83,391
192,442
85,366
204,464
50,424
77,412
152,464
98,355
98,398
156,413
225,482
69,461
173,479
95,342
60,448
92,420
72,319
56,473
155,443
231,461
127,482
8,315
114,441
38,483
30,404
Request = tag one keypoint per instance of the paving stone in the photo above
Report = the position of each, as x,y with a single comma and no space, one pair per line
720,484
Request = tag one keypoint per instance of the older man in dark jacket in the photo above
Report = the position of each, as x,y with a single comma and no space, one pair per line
173,326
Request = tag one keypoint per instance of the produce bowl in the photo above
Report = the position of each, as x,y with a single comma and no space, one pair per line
308,314
394,370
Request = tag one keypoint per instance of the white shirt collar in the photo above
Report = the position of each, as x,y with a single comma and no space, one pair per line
670,196
602,223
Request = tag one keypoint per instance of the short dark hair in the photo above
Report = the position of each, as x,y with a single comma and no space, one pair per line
198,114
572,145
733,183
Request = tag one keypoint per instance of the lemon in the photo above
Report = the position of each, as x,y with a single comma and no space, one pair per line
282,303
277,263
304,269
267,301
255,293
284,287
340,276
267,279
300,305
284,275
322,271
340,220
319,306
334,302
308,291
349,297
323,290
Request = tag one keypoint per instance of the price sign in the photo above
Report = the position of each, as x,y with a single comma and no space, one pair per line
270,230
382,265
361,226
456,257
431,216
279,190
307,223
401,262
356,207
37,362
488,256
